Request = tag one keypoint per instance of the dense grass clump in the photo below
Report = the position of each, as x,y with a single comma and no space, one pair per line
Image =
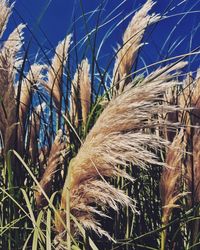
98,157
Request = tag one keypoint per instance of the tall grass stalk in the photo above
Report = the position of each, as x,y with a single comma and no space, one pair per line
99,155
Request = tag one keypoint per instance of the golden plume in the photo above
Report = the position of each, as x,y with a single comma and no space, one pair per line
195,100
55,71
13,45
55,159
6,11
171,97
187,97
75,106
8,111
132,38
192,160
85,89
33,77
193,136
81,94
196,165
170,184
170,179
118,137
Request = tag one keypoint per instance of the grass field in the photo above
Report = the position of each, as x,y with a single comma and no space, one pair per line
98,157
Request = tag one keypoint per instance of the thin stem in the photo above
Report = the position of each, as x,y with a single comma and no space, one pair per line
68,181
163,238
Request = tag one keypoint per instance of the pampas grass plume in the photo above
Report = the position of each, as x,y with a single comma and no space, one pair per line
132,38
55,71
116,138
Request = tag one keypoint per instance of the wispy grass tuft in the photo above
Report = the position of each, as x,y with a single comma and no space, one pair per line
94,156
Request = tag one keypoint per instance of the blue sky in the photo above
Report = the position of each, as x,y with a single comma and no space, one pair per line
55,17
48,22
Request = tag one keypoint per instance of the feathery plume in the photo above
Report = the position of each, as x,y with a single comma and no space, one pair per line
75,106
35,121
166,73
192,160
189,98
195,100
196,93
185,103
55,159
117,137
6,11
33,77
196,166
170,181
187,92
8,58
80,94
12,46
8,123
55,71
171,175
85,89
131,43
193,163
171,97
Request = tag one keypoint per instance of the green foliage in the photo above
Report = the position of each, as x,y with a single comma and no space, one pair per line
25,226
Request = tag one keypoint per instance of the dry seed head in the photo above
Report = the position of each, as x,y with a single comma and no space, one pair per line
186,94
54,160
55,71
80,94
171,96
116,138
34,76
8,61
166,73
184,101
192,162
196,162
132,38
189,101
85,89
14,42
74,99
170,191
13,45
6,11
196,92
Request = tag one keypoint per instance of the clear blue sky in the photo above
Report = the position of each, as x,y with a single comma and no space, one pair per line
55,17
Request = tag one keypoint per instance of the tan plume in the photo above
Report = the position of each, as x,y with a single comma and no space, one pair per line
13,45
55,72
85,89
117,137
8,58
33,77
193,162
81,94
6,11
194,178
171,176
54,160
195,100
132,38
171,97
75,106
